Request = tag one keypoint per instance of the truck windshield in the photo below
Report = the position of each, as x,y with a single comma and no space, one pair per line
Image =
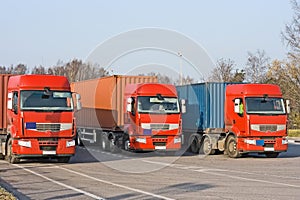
263,105
155,104
46,100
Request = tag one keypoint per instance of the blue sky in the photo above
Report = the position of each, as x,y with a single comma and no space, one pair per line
43,32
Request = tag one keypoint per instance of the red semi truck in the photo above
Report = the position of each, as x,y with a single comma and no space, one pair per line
128,112
235,118
37,117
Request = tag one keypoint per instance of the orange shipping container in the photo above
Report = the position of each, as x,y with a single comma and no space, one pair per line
102,100
3,101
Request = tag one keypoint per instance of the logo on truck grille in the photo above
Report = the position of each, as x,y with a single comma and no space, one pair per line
53,127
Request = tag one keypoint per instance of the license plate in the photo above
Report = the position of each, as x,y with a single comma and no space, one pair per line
160,147
49,152
269,149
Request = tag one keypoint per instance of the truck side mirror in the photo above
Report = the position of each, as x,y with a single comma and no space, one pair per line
129,104
183,106
9,102
78,103
288,108
237,105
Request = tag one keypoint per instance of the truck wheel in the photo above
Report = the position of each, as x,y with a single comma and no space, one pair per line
9,156
231,147
78,140
112,147
63,159
206,147
126,145
194,144
272,154
104,143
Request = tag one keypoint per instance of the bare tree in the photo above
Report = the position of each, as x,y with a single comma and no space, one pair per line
4,70
226,72
239,76
18,69
286,74
76,70
39,70
291,34
256,67
186,80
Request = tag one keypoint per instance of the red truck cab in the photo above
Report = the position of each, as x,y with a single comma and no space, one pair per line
256,116
152,117
40,116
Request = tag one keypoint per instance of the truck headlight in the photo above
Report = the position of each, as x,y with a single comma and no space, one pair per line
24,143
281,127
285,141
255,127
250,141
70,143
177,140
141,140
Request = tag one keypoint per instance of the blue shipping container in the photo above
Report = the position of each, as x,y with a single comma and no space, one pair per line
204,104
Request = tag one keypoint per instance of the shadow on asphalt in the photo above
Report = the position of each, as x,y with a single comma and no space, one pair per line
92,154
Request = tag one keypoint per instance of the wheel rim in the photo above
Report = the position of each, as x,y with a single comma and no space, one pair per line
126,145
9,152
206,147
232,148
112,143
103,144
78,140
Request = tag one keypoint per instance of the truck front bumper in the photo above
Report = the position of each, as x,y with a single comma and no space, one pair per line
149,143
247,145
35,148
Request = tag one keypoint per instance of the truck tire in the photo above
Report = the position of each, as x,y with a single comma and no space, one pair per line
78,140
206,147
231,149
113,148
126,143
272,154
104,142
194,144
10,157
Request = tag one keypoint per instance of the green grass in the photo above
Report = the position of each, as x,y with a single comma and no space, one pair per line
294,132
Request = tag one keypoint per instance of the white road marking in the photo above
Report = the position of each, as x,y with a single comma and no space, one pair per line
107,153
210,171
117,185
61,184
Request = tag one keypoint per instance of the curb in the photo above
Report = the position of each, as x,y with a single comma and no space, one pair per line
294,140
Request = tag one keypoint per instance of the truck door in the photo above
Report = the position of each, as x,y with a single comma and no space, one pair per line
239,116
14,121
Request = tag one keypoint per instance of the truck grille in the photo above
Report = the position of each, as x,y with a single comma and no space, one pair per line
48,127
48,141
160,126
266,127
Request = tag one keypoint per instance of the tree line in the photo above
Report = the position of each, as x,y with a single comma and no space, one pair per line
260,69
74,70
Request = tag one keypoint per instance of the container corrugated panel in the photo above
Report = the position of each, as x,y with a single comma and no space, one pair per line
205,105
3,100
102,100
